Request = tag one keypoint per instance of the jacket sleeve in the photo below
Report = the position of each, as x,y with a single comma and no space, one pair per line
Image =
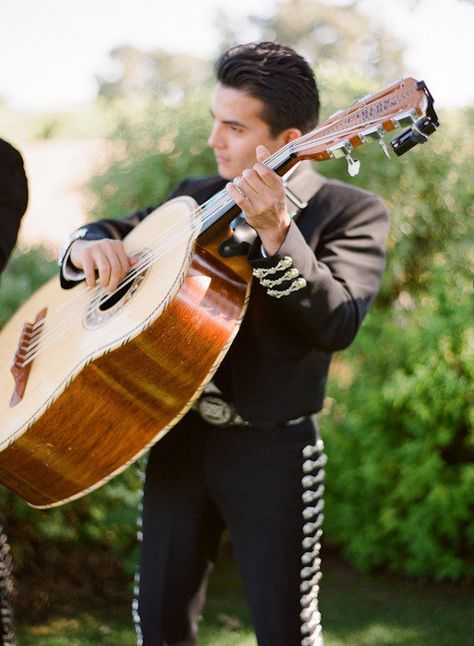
324,286
13,198
115,229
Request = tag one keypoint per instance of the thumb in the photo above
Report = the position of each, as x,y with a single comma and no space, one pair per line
262,153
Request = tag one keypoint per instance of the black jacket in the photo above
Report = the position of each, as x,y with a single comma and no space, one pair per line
276,368
13,198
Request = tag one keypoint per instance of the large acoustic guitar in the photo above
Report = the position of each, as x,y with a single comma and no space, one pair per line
88,382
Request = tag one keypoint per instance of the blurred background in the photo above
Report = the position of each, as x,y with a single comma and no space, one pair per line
108,103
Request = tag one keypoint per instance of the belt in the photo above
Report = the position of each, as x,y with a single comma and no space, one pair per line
214,409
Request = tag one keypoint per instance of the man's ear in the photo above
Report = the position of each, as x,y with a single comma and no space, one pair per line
292,133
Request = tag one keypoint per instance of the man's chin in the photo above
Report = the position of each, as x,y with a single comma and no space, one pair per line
224,172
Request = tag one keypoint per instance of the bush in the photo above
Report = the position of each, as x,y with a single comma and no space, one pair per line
151,155
399,429
400,436
25,273
103,521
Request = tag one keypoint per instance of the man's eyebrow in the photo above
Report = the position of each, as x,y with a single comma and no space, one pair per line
230,122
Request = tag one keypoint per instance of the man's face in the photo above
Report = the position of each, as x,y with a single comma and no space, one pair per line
237,130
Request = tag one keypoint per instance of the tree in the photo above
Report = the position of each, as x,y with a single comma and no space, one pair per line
152,73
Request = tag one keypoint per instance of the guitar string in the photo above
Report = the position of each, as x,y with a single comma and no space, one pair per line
140,267
221,202
209,208
38,343
221,199
229,201
224,200
215,209
329,123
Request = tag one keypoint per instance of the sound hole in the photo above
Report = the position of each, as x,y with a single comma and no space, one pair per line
101,310
116,297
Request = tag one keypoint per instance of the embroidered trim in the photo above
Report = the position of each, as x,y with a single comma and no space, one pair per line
294,287
284,263
291,273
141,467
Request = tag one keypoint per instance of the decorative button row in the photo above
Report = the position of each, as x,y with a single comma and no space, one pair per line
314,461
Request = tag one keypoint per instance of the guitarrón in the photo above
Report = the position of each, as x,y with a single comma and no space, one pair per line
88,382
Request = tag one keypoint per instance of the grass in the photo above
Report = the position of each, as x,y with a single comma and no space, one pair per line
364,610
357,609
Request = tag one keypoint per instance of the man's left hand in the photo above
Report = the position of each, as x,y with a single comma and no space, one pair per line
260,193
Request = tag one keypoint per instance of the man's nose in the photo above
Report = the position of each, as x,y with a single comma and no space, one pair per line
215,137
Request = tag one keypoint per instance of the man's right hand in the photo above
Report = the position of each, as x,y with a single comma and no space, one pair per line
106,257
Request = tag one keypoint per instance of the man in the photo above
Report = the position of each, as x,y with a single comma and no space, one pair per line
13,202
315,278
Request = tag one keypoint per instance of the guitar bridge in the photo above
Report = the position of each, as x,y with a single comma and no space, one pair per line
22,363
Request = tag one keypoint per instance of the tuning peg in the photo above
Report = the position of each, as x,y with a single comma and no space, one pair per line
383,146
343,149
353,165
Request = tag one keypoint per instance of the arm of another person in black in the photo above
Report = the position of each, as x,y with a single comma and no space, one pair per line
13,198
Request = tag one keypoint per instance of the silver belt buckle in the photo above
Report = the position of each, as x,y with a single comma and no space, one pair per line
215,410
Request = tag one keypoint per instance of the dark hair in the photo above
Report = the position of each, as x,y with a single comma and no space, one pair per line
279,77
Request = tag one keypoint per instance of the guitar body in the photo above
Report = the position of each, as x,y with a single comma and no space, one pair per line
109,383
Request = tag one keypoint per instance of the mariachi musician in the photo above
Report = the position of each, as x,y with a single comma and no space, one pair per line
248,457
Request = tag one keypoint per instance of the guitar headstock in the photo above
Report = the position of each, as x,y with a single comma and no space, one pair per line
405,103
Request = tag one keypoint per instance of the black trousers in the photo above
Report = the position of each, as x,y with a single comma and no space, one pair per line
200,479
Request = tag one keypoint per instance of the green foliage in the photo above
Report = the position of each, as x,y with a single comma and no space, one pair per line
340,41
25,273
104,521
400,435
400,430
153,151
429,194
